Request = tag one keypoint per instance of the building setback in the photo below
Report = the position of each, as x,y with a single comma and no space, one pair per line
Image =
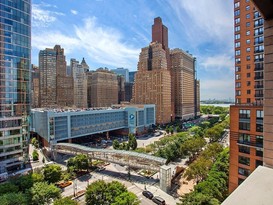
55,86
15,66
246,116
102,88
80,84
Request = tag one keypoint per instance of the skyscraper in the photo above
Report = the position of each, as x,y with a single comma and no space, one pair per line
80,83
15,66
55,85
246,116
35,87
122,71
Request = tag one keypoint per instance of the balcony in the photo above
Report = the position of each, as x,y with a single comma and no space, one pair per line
258,68
260,95
250,144
259,86
259,77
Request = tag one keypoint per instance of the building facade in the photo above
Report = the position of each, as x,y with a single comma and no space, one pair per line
102,88
183,80
15,66
35,87
121,88
54,125
80,84
246,127
132,76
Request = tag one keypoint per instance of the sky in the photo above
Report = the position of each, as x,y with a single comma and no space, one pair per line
111,33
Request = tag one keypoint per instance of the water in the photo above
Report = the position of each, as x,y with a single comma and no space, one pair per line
219,105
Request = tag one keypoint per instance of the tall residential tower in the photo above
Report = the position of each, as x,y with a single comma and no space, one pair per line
15,66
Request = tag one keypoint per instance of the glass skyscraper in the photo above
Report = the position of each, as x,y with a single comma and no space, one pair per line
15,45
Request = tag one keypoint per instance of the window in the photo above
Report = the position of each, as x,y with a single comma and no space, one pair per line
237,52
259,57
237,44
244,149
258,22
237,76
248,49
240,181
238,60
237,68
248,100
244,138
244,160
237,84
244,126
237,12
259,49
237,20
248,83
257,14
238,92
258,31
258,40
247,24
259,114
247,8
248,66
247,16
244,172
244,114
248,41
238,101
237,36
259,127
248,58
237,28
259,141
248,75
248,92
247,1
259,163
248,33
236,5
259,152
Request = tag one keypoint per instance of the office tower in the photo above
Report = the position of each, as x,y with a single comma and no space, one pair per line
55,85
84,65
35,87
153,82
128,91
80,84
15,66
102,88
121,88
183,80
122,71
132,76
246,116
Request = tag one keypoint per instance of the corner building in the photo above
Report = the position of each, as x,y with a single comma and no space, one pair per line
246,116
15,67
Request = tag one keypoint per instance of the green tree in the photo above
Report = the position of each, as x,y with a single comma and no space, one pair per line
52,173
37,177
178,129
35,142
7,188
132,142
35,155
13,199
81,162
116,144
96,193
42,193
65,201
171,129
126,198
195,198
23,182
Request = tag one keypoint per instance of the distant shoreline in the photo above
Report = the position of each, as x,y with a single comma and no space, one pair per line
219,105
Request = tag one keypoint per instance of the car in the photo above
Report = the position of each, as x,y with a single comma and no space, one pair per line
158,200
147,194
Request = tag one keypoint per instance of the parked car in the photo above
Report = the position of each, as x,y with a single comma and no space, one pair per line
158,200
64,184
147,194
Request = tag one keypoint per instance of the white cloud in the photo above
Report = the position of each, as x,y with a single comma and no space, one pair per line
217,62
104,45
42,17
74,12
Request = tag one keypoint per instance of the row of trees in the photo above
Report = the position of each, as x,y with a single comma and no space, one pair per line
214,189
215,133
113,193
132,143
217,110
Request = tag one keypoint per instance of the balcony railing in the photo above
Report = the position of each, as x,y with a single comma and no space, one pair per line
259,95
259,77
249,144
259,86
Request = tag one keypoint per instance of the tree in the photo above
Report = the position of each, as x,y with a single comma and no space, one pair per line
178,129
81,162
23,182
43,193
65,201
52,173
116,144
7,188
126,198
37,177
96,193
35,142
13,199
132,142
195,198
35,155
171,129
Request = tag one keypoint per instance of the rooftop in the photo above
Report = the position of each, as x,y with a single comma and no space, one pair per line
256,189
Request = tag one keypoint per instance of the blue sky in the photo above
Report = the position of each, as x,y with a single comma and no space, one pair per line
111,33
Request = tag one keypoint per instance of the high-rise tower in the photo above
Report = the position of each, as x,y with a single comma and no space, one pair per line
15,66
246,116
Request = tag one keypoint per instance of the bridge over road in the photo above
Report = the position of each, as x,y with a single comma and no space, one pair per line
122,157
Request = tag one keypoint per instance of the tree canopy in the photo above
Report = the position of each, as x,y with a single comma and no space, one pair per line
52,173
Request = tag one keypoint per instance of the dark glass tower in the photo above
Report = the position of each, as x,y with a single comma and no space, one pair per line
15,66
